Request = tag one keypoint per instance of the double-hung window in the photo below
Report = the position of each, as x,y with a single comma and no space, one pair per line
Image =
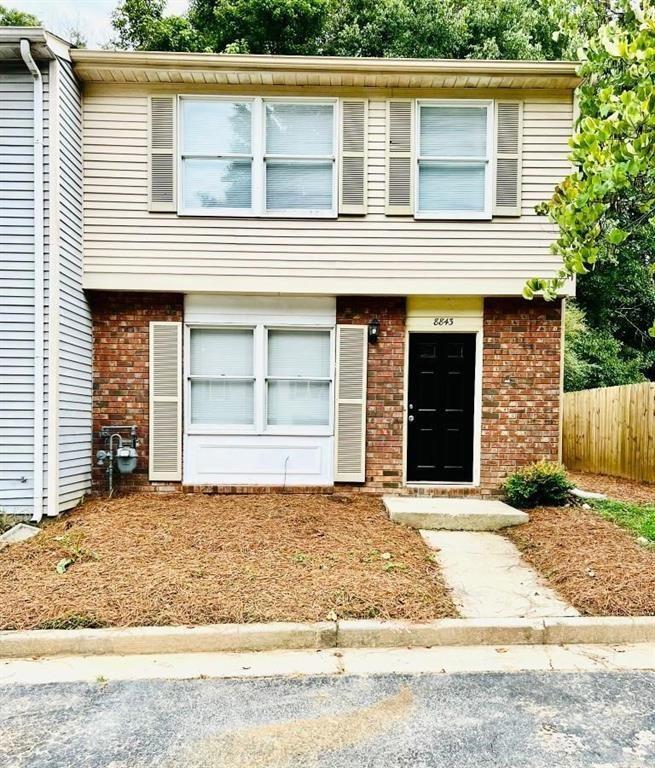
298,378
454,159
216,155
300,174
222,377
261,379
258,157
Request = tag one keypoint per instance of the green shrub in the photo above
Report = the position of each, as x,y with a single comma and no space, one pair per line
541,484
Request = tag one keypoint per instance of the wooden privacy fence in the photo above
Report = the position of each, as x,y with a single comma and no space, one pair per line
611,430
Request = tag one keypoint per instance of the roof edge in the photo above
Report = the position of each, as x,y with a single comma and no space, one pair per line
48,42
247,62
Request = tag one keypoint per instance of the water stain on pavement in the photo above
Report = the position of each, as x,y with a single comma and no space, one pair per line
277,745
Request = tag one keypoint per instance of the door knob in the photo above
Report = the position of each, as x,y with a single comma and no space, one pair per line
410,417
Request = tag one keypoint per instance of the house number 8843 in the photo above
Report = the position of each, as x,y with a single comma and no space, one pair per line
444,321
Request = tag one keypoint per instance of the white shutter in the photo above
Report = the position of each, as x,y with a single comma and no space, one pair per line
161,153
400,157
352,156
507,158
165,454
350,426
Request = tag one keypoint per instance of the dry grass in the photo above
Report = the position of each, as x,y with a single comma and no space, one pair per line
155,559
615,487
597,566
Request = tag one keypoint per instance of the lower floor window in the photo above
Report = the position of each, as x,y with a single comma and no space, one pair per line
259,378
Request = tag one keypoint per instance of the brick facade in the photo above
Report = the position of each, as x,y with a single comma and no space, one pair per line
520,389
384,405
121,366
520,386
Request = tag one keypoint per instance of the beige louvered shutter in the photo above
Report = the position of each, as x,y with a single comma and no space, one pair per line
507,158
352,157
400,157
165,456
161,153
350,429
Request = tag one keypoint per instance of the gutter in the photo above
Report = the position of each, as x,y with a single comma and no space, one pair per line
39,283
134,66
239,62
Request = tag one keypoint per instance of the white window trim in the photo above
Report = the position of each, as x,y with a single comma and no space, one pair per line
258,154
260,352
486,214
477,412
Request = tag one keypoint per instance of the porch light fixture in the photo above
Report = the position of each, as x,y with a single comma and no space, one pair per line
373,331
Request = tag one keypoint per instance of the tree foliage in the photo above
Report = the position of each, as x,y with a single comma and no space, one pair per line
593,357
10,17
605,209
511,29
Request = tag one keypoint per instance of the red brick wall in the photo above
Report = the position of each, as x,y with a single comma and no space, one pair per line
520,386
521,380
121,365
386,362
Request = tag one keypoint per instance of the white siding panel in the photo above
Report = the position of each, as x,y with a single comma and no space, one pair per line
75,339
127,247
17,291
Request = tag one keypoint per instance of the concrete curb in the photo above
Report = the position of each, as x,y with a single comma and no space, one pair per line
610,630
394,634
161,640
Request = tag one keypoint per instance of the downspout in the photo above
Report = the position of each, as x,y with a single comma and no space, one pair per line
39,288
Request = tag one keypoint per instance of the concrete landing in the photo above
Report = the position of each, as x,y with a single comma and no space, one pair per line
488,579
452,514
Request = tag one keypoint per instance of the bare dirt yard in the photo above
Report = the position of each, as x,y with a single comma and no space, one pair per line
602,559
157,559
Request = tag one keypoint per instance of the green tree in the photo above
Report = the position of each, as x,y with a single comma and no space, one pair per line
595,358
75,37
10,17
605,209
618,298
512,29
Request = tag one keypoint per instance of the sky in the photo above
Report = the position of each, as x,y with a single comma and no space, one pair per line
91,17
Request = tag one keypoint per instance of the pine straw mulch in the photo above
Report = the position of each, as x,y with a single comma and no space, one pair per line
619,488
157,559
597,566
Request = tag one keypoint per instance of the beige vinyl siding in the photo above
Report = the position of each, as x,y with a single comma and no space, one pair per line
126,247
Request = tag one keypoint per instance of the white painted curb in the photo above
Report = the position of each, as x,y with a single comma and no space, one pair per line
610,630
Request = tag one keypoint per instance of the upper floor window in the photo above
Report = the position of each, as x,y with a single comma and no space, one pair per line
454,143
257,156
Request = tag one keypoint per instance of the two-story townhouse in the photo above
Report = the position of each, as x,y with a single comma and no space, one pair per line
306,272
45,319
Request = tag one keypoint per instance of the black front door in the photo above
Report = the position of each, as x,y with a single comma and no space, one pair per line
441,401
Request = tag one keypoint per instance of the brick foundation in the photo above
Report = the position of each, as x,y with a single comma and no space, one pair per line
121,369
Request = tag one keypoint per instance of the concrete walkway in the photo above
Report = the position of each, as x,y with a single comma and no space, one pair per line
488,578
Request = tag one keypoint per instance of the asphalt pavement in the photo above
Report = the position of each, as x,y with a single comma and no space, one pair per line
477,720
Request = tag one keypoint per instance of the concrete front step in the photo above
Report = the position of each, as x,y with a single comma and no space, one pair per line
452,514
